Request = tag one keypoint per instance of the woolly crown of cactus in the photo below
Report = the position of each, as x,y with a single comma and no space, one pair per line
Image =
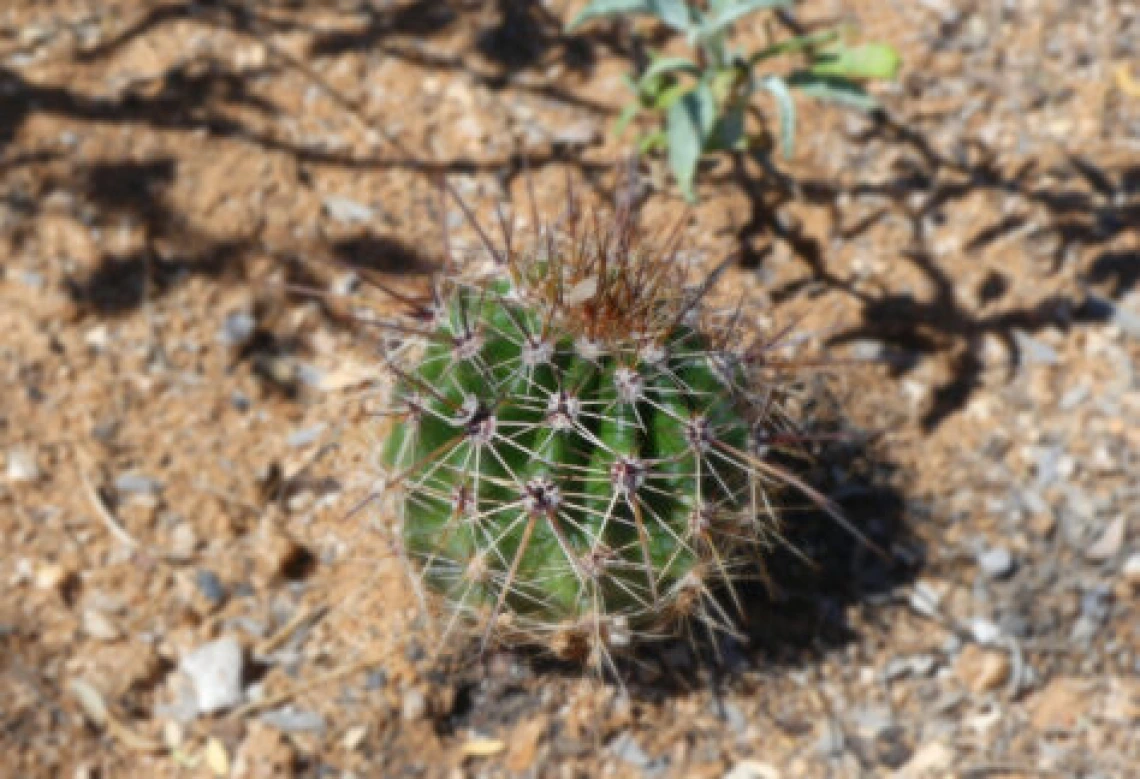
580,454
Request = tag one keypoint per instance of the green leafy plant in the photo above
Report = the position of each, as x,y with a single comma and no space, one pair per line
581,452
702,104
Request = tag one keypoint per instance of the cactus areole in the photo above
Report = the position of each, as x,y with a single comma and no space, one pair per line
577,457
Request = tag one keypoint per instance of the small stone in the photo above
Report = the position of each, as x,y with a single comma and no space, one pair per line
1060,704
210,586
98,626
984,631
22,467
1033,351
183,540
982,670
305,436
413,707
900,667
237,328
215,670
354,737
294,720
1074,397
626,749
1131,571
831,742
23,572
216,758
311,375
863,349
134,483
179,704
97,338
90,699
1110,542
345,284
348,211
173,734
1122,703
926,597
581,133
996,563
734,718
930,760
1096,603
52,576
240,401
482,747
753,769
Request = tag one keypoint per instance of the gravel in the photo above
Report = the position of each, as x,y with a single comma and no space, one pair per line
1110,542
237,328
215,671
626,748
996,562
210,586
413,705
134,483
21,466
294,720
1033,351
305,436
348,211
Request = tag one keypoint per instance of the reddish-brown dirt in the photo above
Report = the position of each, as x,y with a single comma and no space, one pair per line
186,189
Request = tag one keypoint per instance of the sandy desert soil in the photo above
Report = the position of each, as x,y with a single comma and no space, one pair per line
188,190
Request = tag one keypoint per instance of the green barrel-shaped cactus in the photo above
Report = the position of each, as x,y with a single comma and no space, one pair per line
578,458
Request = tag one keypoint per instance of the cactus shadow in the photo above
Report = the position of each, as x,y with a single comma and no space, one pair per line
833,586
816,592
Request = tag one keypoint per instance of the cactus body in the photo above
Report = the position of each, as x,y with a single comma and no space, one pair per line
577,459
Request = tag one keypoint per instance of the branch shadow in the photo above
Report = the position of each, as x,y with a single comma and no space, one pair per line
207,95
1086,209
511,37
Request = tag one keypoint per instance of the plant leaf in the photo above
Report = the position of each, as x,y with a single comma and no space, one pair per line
833,90
871,60
663,65
722,15
689,124
664,100
730,130
627,115
652,141
787,106
674,13
795,45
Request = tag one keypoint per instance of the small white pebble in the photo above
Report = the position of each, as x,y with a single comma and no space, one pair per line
414,705
984,631
98,626
22,467
215,670
1131,570
996,563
